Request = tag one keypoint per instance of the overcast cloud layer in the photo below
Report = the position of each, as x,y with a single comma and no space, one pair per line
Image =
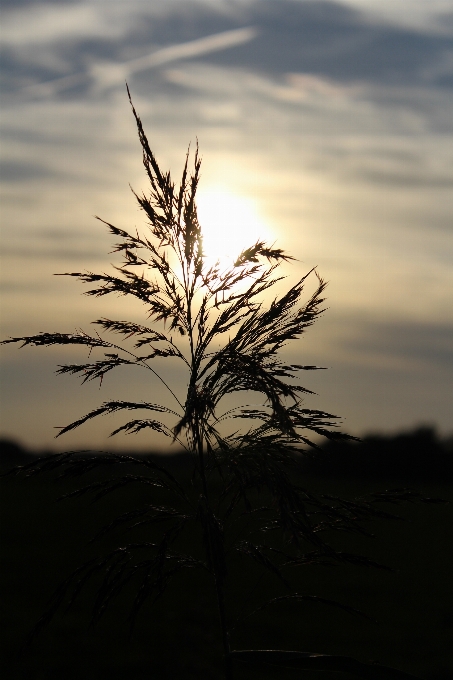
332,120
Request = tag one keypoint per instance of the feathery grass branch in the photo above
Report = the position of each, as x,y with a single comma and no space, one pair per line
229,341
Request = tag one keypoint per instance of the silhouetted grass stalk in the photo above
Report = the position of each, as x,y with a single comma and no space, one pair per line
203,304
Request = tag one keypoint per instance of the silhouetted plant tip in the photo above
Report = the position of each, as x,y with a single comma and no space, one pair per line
246,485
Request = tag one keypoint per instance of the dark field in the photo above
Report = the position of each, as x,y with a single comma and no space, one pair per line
43,541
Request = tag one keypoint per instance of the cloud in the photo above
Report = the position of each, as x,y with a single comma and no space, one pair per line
13,4
105,74
17,171
108,74
76,43
416,14
52,23
403,346
383,374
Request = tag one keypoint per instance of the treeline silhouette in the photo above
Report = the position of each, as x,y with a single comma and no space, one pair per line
416,455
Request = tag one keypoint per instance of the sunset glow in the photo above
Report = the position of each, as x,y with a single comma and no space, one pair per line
230,223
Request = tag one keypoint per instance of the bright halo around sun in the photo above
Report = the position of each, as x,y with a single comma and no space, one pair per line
229,223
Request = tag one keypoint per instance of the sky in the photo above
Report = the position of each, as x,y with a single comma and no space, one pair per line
324,126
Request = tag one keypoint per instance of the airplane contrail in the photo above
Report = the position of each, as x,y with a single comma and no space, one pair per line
108,74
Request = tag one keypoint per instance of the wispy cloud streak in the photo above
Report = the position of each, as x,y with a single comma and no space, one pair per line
107,74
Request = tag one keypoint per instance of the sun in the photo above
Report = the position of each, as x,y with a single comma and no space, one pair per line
230,223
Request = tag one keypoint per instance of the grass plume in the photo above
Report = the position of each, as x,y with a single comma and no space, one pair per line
214,321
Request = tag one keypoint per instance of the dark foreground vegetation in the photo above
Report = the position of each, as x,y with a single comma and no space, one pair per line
178,637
